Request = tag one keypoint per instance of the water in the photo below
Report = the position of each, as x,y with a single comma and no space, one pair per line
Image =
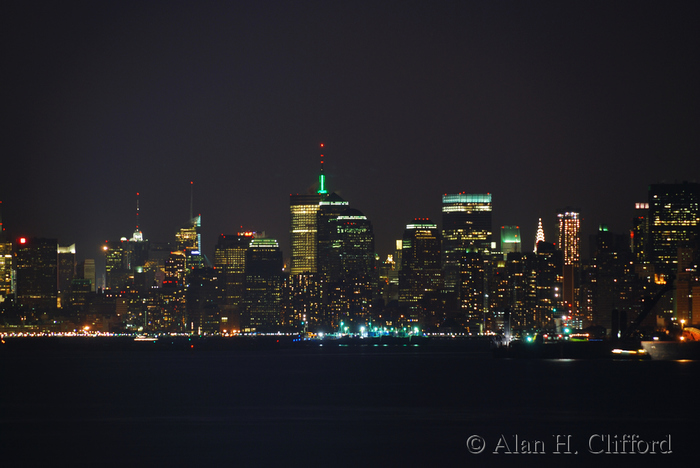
333,407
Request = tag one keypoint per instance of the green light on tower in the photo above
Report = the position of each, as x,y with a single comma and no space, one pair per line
322,183
322,177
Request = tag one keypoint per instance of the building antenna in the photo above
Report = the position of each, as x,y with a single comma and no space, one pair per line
322,177
191,198
137,211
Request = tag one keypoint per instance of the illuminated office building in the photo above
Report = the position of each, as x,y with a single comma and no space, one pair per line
116,264
612,276
674,222
421,272
229,259
466,220
66,270
473,287
510,239
172,311
570,236
570,246
263,286
330,207
304,211
352,283
5,263
687,298
522,289
312,255
355,238
466,227
549,263
36,273
85,270
302,308
5,270
388,285
201,301
639,235
304,229
188,240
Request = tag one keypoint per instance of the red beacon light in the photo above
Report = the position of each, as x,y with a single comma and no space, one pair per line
22,240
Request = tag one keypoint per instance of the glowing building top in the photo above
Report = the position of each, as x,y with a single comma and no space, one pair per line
510,239
137,236
466,221
540,234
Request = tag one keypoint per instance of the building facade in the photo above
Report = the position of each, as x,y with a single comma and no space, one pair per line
36,273
421,271
674,222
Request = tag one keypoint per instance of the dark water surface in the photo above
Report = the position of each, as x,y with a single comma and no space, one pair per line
391,406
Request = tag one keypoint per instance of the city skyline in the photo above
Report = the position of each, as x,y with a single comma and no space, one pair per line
542,105
551,230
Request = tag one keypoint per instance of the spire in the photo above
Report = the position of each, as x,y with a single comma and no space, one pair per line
138,235
137,211
322,178
540,234
2,226
191,198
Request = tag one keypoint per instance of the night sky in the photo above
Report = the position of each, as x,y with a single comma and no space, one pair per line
542,104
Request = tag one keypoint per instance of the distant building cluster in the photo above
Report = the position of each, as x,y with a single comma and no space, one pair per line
453,278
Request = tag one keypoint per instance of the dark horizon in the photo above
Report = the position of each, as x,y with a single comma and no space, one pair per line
543,105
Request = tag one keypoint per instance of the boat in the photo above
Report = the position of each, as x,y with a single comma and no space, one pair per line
684,347
146,338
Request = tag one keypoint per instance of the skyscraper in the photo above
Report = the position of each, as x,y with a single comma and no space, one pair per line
201,301
229,259
674,221
188,240
570,246
116,264
549,261
466,220
612,276
466,227
539,236
420,272
304,229
172,315
570,236
352,283
36,266
86,271
330,207
5,263
304,209
263,286
66,270
639,235
5,270
472,286
510,239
